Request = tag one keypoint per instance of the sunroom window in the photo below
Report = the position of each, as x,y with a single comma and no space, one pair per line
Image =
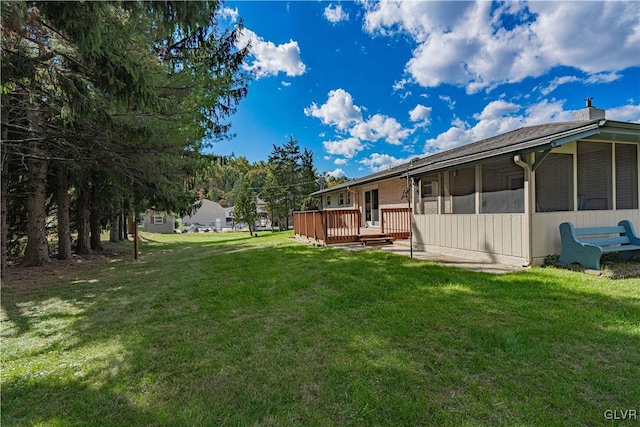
463,188
554,184
594,176
502,187
626,176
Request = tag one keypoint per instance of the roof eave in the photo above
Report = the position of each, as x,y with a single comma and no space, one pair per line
549,141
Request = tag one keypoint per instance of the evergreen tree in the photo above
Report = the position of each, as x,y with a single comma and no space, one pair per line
125,89
245,209
290,179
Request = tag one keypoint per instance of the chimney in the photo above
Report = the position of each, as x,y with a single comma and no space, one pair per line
588,113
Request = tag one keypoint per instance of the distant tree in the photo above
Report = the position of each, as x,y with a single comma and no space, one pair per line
275,195
291,177
332,181
308,182
245,208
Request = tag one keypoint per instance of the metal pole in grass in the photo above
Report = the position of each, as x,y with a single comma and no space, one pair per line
410,187
135,237
408,192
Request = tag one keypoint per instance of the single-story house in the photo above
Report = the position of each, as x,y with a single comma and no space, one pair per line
500,199
158,222
209,214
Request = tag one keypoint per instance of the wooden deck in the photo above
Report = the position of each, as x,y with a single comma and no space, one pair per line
343,226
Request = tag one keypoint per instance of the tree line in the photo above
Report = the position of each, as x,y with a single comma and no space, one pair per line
284,182
106,109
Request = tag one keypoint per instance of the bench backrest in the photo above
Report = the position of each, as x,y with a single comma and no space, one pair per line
601,236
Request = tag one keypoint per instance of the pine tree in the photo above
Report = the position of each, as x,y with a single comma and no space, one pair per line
127,89
290,179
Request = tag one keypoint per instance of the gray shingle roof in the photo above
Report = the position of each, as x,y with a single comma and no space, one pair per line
523,140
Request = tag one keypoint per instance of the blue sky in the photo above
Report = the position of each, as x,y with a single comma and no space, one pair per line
369,85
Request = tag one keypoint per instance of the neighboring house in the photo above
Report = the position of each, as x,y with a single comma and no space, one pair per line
261,222
158,222
209,214
503,198
228,213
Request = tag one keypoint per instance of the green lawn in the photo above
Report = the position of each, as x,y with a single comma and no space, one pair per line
224,329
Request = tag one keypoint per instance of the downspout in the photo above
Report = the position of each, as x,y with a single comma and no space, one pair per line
527,205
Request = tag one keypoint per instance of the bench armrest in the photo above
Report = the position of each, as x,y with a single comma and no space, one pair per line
575,251
633,237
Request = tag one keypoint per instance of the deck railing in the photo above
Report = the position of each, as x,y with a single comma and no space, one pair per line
309,224
342,225
333,226
396,222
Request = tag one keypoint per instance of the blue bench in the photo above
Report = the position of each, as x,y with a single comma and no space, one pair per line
586,245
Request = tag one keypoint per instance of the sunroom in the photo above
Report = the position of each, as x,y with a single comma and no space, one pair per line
505,204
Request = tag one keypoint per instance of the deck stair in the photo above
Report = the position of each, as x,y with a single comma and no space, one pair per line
375,239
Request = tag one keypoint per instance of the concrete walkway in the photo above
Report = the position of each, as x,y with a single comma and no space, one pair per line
401,247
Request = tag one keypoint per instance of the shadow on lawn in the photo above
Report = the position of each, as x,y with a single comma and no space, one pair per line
376,329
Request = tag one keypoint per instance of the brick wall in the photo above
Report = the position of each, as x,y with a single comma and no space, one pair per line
446,188
390,193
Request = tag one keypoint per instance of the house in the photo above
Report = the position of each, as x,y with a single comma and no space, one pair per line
500,199
158,222
209,214
261,222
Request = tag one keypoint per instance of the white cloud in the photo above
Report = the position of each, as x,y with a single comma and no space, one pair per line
380,162
545,112
603,78
336,173
228,13
421,114
339,110
625,113
591,36
380,127
270,59
340,161
466,44
558,81
286,84
450,102
400,84
496,110
335,14
346,147
496,118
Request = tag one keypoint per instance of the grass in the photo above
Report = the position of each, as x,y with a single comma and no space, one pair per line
224,329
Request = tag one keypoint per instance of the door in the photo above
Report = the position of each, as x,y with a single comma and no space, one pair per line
371,207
